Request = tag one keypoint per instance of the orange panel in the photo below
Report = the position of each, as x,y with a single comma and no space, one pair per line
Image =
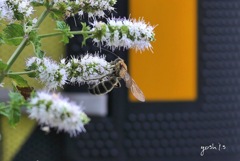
170,72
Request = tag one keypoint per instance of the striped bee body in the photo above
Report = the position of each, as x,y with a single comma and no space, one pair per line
120,71
105,86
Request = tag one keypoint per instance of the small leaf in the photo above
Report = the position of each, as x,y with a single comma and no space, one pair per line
21,85
18,81
14,110
2,66
13,34
36,41
61,25
85,35
37,4
19,16
31,75
57,14
3,109
65,29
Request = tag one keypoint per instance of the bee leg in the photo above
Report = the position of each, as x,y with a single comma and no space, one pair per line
118,85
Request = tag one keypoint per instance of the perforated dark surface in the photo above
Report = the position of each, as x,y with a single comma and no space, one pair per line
100,142
176,131
42,147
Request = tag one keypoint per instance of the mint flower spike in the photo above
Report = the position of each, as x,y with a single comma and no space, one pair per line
94,8
123,33
48,72
88,69
10,8
57,112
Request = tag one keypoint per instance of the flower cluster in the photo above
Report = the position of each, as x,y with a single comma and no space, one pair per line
92,7
125,33
87,69
95,7
57,112
48,72
11,10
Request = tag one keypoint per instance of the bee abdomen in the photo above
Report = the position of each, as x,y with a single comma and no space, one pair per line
104,87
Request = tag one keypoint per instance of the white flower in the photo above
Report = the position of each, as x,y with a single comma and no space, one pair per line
10,8
123,33
89,69
57,112
48,72
94,8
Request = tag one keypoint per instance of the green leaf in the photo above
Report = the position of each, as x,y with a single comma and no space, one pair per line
61,25
19,16
65,29
15,104
13,34
3,109
12,109
57,14
18,81
85,35
2,66
37,4
21,85
36,41
33,74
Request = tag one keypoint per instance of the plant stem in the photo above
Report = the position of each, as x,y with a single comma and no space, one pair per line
41,18
14,56
61,33
21,46
80,32
16,53
50,35
21,73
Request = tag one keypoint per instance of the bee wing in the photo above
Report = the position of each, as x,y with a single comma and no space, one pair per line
137,92
128,80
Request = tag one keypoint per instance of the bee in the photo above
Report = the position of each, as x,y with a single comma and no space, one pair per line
105,86
119,72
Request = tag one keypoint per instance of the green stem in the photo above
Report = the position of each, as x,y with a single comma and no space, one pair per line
21,73
21,46
16,53
41,18
61,33
80,32
50,35
14,56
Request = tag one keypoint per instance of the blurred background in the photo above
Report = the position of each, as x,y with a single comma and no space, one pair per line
190,81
